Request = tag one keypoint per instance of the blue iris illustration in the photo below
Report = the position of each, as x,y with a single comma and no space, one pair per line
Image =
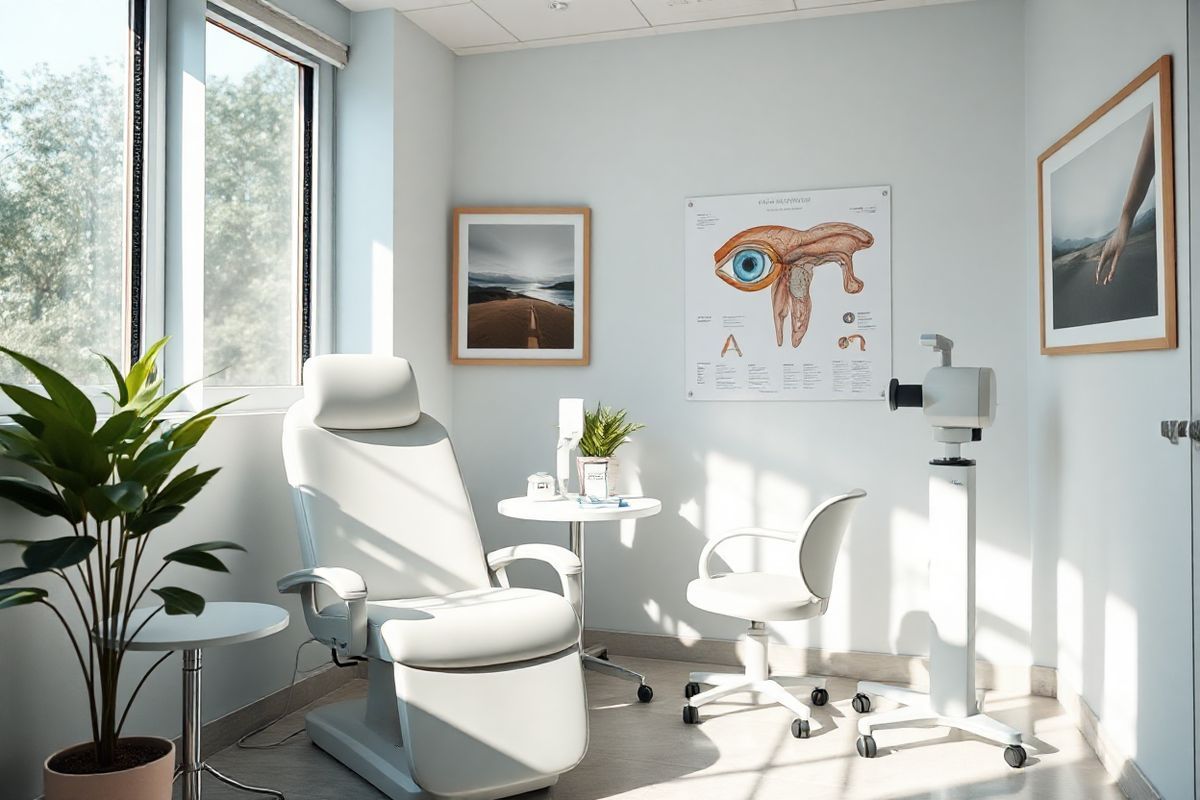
749,265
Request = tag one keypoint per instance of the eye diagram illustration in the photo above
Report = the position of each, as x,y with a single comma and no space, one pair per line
845,341
784,258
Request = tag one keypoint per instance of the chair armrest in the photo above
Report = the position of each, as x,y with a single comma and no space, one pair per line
345,583
756,533
347,634
565,563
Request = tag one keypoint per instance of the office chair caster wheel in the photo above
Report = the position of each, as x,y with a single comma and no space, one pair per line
1015,756
866,746
861,703
691,690
800,728
645,694
691,715
819,697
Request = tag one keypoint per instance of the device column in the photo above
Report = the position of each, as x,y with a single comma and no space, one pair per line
952,588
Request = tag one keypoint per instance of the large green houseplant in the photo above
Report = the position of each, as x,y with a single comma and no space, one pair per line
114,482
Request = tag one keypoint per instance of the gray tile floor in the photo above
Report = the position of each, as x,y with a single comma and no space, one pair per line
740,752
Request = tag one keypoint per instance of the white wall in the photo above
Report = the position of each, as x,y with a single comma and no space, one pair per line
929,101
1110,500
393,198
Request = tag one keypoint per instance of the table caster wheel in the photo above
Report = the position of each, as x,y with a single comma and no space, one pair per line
1015,756
800,728
819,697
861,703
645,694
691,690
866,746
691,715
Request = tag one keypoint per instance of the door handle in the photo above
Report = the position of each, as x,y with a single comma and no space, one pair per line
1175,429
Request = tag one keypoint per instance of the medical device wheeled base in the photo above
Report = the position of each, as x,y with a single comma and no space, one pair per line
952,700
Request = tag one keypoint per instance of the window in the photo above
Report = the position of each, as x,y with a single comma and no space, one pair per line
137,201
66,202
258,145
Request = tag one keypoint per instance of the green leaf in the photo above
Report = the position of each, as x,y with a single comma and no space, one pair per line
195,558
135,381
32,497
11,598
62,392
34,426
18,444
14,574
60,553
43,409
111,500
180,601
67,478
200,555
116,428
149,520
122,389
183,487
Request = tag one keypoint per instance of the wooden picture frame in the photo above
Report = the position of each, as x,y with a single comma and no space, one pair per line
519,286
1106,225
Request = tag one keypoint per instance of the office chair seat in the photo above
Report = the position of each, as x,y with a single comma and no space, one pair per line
472,628
761,596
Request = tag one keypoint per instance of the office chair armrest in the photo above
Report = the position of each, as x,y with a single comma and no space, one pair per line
345,633
565,563
756,533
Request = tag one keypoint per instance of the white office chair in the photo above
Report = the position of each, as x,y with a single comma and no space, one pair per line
799,592
475,689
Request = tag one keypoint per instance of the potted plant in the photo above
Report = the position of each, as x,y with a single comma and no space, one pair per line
114,482
604,430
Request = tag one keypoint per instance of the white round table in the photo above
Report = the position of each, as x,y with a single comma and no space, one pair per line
219,624
568,510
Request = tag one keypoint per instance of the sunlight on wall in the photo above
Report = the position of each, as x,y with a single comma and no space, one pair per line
382,334
680,630
1121,690
1003,594
909,536
1070,625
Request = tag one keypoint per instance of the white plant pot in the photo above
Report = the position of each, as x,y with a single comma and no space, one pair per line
589,465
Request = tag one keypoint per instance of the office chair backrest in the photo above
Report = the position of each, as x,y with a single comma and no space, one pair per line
822,539
377,486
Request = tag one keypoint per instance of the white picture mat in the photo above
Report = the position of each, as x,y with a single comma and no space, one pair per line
464,268
710,303
1146,95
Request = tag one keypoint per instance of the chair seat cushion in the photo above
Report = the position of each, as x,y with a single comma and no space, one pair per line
472,628
756,596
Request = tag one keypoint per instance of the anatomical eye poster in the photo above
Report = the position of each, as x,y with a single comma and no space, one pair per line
789,295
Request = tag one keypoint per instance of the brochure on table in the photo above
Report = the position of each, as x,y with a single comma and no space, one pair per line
788,295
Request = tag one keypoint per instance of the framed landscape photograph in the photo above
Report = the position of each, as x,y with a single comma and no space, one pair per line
1106,216
519,286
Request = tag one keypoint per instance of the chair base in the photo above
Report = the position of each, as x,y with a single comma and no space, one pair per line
342,731
916,708
757,679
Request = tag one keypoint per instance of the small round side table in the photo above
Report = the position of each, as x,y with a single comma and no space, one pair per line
219,624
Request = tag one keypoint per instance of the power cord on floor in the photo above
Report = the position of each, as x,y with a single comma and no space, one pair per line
287,707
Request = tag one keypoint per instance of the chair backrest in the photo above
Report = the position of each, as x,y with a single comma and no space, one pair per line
821,541
377,486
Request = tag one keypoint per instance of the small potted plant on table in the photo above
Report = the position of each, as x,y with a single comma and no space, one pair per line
114,483
604,430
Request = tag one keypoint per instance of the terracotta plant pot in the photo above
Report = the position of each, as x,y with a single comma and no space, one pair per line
582,461
151,781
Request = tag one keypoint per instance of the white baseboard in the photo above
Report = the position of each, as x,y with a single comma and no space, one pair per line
1124,770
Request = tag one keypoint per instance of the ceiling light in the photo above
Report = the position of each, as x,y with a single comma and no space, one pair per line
558,5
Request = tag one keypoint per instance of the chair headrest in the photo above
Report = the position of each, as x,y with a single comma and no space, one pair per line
361,392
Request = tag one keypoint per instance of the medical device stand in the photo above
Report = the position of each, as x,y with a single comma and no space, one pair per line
952,699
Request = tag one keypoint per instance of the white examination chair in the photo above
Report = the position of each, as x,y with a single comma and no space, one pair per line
475,689
801,591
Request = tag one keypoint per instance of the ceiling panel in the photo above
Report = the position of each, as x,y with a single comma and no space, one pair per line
460,26
415,5
534,19
668,12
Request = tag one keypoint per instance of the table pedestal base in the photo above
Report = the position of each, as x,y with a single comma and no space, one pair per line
191,767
